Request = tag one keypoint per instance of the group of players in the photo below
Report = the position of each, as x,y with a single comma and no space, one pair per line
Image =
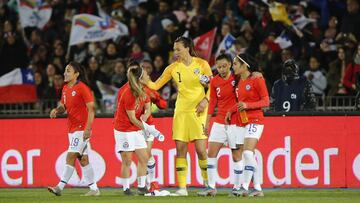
239,95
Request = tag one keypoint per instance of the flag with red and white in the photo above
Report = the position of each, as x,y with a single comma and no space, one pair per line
204,43
34,13
18,86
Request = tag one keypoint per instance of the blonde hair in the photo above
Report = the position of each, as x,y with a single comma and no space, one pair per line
135,72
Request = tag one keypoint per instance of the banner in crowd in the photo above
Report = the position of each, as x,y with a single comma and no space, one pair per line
316,152
90,28
204,43
34,13
226,45
18,86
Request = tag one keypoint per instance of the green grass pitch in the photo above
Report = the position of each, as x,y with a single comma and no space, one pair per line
115,195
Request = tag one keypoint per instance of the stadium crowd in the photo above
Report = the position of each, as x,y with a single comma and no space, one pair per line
327,50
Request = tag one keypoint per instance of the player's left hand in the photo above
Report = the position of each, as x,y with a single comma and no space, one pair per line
242,106
87,134
201,106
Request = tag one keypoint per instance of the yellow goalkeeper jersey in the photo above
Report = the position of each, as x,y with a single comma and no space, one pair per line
187,78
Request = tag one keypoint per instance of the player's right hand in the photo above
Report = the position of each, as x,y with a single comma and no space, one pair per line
53,113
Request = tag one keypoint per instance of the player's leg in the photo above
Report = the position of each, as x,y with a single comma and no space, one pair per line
198,135
73,153
217,138
125,145
253,134
141,151
200,148
125,170
89,175
236,142
213,150
238,164
66,175
181,167
143,157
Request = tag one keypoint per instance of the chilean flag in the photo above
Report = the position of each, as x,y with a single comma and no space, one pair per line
18,86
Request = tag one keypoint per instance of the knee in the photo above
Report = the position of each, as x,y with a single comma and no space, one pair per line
126,162
202,155
248,155
181,152
84,160
70,159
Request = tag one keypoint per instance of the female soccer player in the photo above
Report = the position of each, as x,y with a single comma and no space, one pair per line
222,95
78,101
133,106
252,97
151,165
189,117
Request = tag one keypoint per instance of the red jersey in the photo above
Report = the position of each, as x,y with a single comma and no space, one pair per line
74,99
222,95
155,98
127,101
253,92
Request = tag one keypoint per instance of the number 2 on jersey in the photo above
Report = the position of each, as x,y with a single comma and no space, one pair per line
218,91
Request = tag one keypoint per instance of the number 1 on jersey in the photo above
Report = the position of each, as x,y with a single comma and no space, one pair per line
179,76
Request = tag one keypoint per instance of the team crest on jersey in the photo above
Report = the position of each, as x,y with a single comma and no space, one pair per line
233,83
197,71
73,93
126,145
247,87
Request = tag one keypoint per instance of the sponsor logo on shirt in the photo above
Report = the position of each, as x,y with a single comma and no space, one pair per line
293,96
73,93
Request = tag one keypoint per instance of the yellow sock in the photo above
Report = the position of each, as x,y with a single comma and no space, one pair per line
181,171
203,167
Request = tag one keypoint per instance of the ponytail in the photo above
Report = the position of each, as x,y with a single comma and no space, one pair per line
135,72
187,43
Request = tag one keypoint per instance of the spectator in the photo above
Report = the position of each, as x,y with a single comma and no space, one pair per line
110,58
336,74
119,78
351,20
164,11
292,92
159,67
154,47
12,53
79,53
95,74
352,68
316,77
137,53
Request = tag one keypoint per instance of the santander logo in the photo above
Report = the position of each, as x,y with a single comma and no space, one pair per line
97,162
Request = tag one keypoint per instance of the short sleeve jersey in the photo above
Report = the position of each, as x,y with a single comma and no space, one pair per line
75,99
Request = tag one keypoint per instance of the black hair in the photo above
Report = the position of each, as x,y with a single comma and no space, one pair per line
222,56
249,60
78,68
188,43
